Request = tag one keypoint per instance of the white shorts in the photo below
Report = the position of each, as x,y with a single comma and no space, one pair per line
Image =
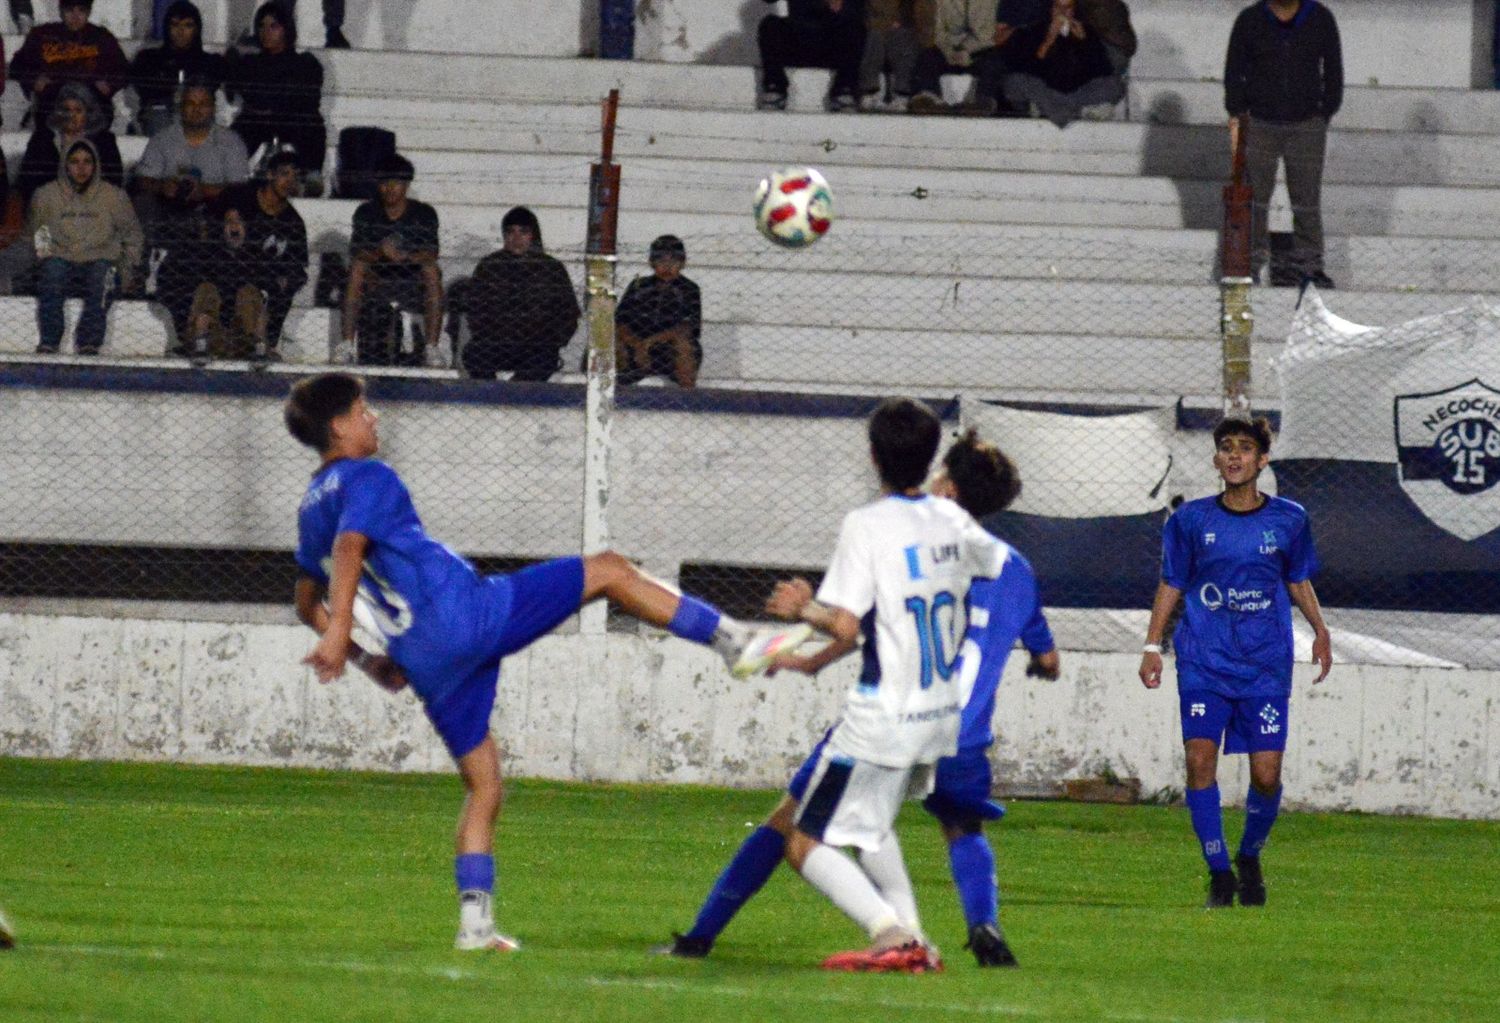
854,802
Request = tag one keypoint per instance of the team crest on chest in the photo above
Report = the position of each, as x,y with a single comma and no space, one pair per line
1448,456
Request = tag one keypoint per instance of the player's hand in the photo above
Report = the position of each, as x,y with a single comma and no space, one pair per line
329,656
1151,666
789,598
1045,666
1322,654
386,672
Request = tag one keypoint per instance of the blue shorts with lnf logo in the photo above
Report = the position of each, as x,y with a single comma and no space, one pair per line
1248,725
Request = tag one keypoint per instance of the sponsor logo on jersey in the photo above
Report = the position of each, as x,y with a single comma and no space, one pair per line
1448,456
1211,596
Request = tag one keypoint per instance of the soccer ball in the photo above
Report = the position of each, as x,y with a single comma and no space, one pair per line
794,207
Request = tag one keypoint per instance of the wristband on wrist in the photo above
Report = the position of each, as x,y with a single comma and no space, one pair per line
1151,648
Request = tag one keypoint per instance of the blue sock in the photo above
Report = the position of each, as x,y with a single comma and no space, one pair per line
694,620
474,872
751,867
1260,814
973,865
1208,824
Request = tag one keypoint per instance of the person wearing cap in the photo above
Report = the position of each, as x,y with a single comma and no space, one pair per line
520,306
660,320
69,50
393,269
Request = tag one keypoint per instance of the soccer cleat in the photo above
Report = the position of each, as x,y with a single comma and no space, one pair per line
989,947
485,938
762,647
1221,886
7,932
1252,883
684,946
912,957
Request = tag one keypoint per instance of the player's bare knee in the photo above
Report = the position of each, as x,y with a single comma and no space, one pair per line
605,570
799,845
782,819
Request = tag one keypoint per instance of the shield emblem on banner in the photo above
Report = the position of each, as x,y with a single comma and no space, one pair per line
1448,456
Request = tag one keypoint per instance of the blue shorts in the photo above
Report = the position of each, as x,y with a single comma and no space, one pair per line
524,606
1251,725
961,792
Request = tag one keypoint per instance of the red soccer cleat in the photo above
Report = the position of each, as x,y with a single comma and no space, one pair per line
913,957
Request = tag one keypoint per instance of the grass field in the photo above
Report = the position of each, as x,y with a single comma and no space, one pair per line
144,892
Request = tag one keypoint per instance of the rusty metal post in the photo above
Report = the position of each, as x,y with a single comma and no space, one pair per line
1237,315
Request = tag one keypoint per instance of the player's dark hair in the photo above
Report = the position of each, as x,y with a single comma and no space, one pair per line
986,479
904,435
317,401
1258,430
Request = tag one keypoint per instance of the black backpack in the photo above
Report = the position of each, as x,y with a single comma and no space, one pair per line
360,152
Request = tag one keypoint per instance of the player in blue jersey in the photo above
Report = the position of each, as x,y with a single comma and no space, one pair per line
1237,562
362,551
982,480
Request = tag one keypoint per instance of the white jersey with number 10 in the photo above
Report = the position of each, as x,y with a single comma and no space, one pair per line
903,567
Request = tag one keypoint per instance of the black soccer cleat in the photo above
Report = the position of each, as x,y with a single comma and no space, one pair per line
1252,883
684,947
1221,885
989,947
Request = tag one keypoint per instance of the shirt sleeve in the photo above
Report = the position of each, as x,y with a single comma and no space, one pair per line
850,581
1176,553
307,561
424,230
153,162
362,234
1301,556
374,501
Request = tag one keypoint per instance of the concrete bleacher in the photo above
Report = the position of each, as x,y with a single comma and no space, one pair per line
995,254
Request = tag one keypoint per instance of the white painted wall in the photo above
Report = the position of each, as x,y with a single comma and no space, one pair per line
1386,42
653,709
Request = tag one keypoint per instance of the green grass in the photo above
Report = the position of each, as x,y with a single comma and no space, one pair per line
147,892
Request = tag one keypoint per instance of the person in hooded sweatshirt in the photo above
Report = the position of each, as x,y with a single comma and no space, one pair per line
87,241
520,306
158,71
76,115
70,50
282,91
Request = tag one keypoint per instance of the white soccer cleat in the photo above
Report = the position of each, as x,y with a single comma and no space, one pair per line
761,649
485,938
7,932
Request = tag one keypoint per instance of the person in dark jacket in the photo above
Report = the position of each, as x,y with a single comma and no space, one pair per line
158,71
815,33
660,320
520,306
1062,67
282,91
70,50
1283,82
75,115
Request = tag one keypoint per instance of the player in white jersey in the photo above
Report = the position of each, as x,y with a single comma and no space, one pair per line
899,576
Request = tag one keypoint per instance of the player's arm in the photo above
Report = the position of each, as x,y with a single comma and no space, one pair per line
1162,607
313,613
328,657
1306,599
792,600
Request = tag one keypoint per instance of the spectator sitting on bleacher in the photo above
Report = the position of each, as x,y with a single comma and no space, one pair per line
1063,69
70,50
815,33
87,241
282,91
520,306
275,241
895,32
158,71
962,36
76,115
1110,21
992,65
393,270
659,321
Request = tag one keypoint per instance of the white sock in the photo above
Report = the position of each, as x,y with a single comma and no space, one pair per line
474,911
731,636
848,887
887,869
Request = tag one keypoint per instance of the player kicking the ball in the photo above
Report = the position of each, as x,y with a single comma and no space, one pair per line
1238,562
447,627
982,480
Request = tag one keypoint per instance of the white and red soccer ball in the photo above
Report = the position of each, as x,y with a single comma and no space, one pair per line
794,207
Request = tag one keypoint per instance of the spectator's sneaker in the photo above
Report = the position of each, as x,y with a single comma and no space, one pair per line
925,104
485,939
1098,112
1221,885
343,353
989,947
335,40
757,653
684,947
1285,277
977,108
434,357
7,932
842,103
770,101
912,957
1252,883
46,349
1320,280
